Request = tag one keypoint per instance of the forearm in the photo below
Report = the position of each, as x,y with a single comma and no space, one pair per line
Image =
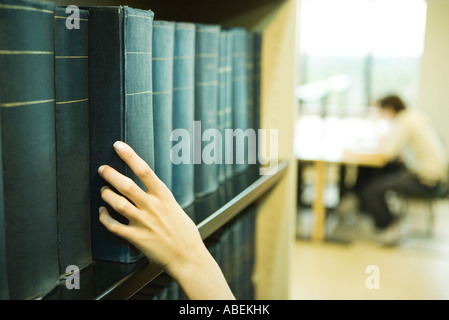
202,279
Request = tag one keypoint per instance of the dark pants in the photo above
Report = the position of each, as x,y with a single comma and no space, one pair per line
372,186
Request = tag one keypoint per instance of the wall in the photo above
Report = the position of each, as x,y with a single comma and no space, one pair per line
275,225
434,88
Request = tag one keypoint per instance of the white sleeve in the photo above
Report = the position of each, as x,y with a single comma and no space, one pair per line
396,138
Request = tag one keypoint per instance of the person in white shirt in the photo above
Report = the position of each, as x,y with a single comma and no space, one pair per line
413,141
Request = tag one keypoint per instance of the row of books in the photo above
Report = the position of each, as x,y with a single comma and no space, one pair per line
72,85
233,249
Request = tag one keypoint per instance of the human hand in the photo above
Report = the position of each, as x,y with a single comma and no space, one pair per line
160,228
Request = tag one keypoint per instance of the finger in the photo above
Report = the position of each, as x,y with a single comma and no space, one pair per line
120,204
140,168
123,184
111,224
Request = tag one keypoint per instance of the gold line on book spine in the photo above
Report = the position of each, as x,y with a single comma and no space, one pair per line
135,93
213,30
206,55
183,57
71,57
241,78
80,19
182,88
163,92
24,103
207,83
25,52
163,26
137,16
14,7
184,26
72,101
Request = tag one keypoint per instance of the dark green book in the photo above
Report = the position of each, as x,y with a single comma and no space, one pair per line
120,108
225,252
236,258
27,112
228,113
206,108
184,110
225,100
251,234
72,140
173,291
251,156
240,97
163,46
257,54
4,291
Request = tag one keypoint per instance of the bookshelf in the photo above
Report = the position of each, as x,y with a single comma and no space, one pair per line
276,19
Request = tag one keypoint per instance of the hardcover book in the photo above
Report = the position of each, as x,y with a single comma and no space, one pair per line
163,47
72,139
240,95
27,112
251,156
221,101
225,101
184,110
206,107
120,108
257,38
4,291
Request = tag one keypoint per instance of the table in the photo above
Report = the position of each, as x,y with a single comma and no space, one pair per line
327,140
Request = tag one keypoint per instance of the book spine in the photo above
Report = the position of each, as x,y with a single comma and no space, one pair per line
237,256
222,100
257,70
173,291
72,139
120,108
228,102
248,251
251,156
27,107
252,248
4,291
206,108
225,249
163,49
240,96
184,110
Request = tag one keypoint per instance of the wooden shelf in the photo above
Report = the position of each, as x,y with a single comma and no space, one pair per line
109,280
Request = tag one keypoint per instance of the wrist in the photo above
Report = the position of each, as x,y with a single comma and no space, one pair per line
201,278
192,260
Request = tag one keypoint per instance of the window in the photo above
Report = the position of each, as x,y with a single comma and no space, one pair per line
352,52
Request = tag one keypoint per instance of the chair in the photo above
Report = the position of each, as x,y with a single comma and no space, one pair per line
441,192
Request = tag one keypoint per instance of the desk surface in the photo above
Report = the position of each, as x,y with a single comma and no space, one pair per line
328,139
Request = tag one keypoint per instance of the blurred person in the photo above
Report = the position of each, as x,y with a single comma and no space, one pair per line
415,164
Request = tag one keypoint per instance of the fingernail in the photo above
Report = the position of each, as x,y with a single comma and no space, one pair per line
119,146
100,209
100,169
101,190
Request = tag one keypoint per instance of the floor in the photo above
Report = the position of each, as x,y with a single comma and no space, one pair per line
350,264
